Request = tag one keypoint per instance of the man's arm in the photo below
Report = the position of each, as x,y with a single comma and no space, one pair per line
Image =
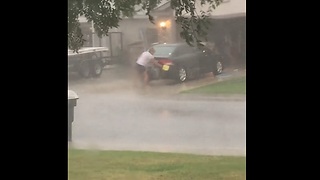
155,62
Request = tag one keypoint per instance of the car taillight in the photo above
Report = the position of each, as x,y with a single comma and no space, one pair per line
165,61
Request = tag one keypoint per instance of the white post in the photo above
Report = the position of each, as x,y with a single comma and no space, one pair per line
92,28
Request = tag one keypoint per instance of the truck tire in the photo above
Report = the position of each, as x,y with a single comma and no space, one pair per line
96,68
84,69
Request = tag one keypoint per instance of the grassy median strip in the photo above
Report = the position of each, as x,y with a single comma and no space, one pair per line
229,86
132,165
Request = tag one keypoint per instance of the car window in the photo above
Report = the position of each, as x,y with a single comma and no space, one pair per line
183,50
163,51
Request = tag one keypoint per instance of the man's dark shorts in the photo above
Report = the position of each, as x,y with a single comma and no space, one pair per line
141,69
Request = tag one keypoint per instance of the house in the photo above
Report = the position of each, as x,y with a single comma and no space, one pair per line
137,33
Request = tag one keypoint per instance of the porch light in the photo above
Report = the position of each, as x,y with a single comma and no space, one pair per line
163,25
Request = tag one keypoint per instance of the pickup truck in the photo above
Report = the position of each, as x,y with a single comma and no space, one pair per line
88,61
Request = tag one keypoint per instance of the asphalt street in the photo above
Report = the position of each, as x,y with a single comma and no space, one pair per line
113,114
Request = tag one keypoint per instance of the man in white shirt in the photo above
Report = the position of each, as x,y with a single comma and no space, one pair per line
145,60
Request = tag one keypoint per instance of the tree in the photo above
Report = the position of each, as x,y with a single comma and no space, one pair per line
106,14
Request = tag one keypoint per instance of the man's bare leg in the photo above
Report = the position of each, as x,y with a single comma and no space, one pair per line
146,80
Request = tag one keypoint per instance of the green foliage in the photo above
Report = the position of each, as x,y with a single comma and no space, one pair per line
106,14
194,25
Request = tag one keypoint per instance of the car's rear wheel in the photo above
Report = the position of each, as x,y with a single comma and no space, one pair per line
182,74
84,69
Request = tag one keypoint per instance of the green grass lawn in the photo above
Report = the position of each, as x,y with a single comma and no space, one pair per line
227,87
131,165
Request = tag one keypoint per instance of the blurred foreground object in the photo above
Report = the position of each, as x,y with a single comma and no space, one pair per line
72,102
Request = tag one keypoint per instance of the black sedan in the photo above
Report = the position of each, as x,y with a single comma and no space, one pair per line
185,62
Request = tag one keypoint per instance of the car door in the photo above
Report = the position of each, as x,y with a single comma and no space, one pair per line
205,61
187,56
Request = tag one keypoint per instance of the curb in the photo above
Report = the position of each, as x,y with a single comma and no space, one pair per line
211,97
